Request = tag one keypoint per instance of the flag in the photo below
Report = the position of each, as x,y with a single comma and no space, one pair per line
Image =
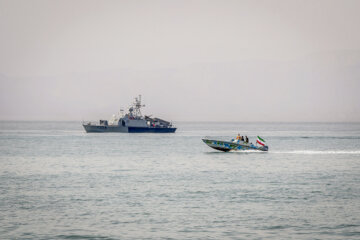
260,141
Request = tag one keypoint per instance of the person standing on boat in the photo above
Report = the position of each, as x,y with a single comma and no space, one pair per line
238,137
246,139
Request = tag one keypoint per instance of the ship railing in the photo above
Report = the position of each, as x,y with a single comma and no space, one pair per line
90,123
159,126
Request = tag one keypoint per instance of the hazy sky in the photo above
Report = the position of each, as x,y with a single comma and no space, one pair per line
191,60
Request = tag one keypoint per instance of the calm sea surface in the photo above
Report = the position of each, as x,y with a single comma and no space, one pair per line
58,182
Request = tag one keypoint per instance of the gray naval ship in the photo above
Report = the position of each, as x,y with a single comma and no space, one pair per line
131,122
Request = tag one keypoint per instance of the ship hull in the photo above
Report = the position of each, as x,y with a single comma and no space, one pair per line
104,129
150,130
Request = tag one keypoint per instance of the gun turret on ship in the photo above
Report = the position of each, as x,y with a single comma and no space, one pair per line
131,122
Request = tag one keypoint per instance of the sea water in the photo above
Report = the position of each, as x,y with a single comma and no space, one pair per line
58,182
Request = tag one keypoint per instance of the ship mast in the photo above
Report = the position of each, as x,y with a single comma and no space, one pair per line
137,107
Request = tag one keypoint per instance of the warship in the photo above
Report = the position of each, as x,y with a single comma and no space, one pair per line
131,122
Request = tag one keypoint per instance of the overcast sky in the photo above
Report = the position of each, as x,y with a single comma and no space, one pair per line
190,60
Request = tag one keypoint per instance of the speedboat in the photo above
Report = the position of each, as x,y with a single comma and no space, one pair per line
235,145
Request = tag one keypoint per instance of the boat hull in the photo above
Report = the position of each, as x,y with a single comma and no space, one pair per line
103,129
227,146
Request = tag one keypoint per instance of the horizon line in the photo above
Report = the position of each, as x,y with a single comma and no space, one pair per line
191,121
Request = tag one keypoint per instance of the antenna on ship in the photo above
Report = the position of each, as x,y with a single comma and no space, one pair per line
138,106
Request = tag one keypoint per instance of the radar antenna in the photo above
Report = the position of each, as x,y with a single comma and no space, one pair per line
137,106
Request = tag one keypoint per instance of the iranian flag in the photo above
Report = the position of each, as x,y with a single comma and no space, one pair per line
260,141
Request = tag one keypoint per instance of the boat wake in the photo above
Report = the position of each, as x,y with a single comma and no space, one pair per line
312,152
247,151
